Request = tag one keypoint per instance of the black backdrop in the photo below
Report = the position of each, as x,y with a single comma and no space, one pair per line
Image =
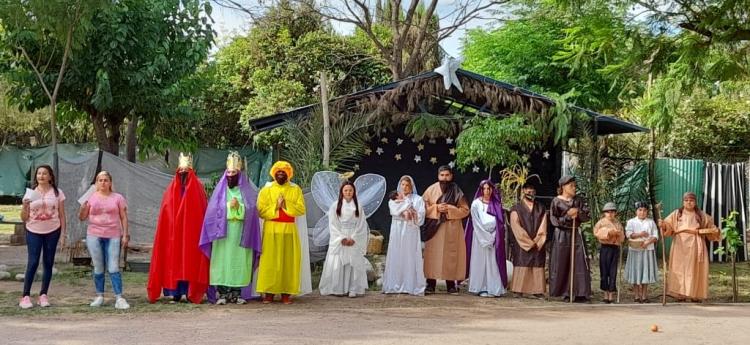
394,154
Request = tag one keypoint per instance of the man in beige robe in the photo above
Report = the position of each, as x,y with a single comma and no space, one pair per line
689,228
528,221
445,251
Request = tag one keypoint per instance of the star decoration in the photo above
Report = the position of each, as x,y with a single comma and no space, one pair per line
452,164
414,140
431,141
433,160
384,140
368,151
417,158
356,167
452,152
448,71
475,169
449,141
379,151
545,154
399,141
397,156
420,147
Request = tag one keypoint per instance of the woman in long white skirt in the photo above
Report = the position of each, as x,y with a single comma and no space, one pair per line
404,265
485,236
345,267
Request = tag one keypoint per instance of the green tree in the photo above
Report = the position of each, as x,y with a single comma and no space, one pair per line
130,63
494,142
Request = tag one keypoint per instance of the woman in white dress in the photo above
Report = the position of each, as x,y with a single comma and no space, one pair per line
345,267
404,265
485,233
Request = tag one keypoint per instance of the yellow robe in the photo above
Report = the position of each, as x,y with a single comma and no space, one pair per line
279,264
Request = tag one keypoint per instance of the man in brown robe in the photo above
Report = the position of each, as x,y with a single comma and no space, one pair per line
445,252
565,210
689,228
528,220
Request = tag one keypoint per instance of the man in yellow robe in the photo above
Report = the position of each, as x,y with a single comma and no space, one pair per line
279,265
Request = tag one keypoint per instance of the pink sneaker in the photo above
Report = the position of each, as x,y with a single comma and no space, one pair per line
25,302
43,301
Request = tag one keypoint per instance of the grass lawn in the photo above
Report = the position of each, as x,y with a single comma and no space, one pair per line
11,213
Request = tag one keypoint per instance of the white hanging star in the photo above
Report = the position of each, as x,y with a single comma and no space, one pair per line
449,141
356,167
420,147
397,156
448,71
452,151
399,141
368,151
417,158
452,164
545,154
379,151
414,140
475,169
431,141
384,140
433,160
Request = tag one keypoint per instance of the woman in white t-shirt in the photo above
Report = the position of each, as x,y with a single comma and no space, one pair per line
44,215
640,267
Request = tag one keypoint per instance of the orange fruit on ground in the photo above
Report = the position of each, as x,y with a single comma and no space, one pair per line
654,328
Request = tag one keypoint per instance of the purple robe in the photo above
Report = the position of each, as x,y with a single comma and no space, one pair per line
494,208
215,226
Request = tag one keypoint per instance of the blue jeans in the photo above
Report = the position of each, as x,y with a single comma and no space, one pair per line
40,245
105,252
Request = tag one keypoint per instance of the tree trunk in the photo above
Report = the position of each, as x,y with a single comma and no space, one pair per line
326,120
53,132
734,278
131,139
107,131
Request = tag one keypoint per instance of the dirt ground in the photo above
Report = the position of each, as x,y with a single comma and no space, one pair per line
373,319
378,319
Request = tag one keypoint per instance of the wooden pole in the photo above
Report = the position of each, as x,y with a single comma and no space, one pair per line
619,272
326,119
663,256
572,260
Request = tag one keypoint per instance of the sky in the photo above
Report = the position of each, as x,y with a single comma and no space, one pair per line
229,22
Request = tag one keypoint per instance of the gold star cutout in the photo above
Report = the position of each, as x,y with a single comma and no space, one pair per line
453,152
368,151
384,140
397,156
420,147
356,167
433,160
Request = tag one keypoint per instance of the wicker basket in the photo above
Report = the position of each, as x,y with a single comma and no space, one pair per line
375,243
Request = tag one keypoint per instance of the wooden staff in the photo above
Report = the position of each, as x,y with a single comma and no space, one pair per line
663,241
572,259
619,272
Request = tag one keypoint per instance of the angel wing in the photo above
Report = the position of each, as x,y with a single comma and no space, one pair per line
370,192
325,189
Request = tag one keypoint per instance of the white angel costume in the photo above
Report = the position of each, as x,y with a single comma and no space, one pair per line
345,267
404,265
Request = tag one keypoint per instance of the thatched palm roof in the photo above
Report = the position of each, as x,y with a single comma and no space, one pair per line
397,101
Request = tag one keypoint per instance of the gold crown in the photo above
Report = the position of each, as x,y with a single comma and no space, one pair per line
234,161
185,161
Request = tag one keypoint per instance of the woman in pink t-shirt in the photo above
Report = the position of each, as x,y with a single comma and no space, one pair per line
44,215
107,213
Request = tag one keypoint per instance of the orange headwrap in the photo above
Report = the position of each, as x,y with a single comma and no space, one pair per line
283,166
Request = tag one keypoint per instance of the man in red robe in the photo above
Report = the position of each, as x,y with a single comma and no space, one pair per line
177,265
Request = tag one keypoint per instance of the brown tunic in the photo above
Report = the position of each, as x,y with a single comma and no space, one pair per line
529,228
688,257
560,257
609,232
445,253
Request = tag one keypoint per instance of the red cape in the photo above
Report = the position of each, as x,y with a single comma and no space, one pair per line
176,255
